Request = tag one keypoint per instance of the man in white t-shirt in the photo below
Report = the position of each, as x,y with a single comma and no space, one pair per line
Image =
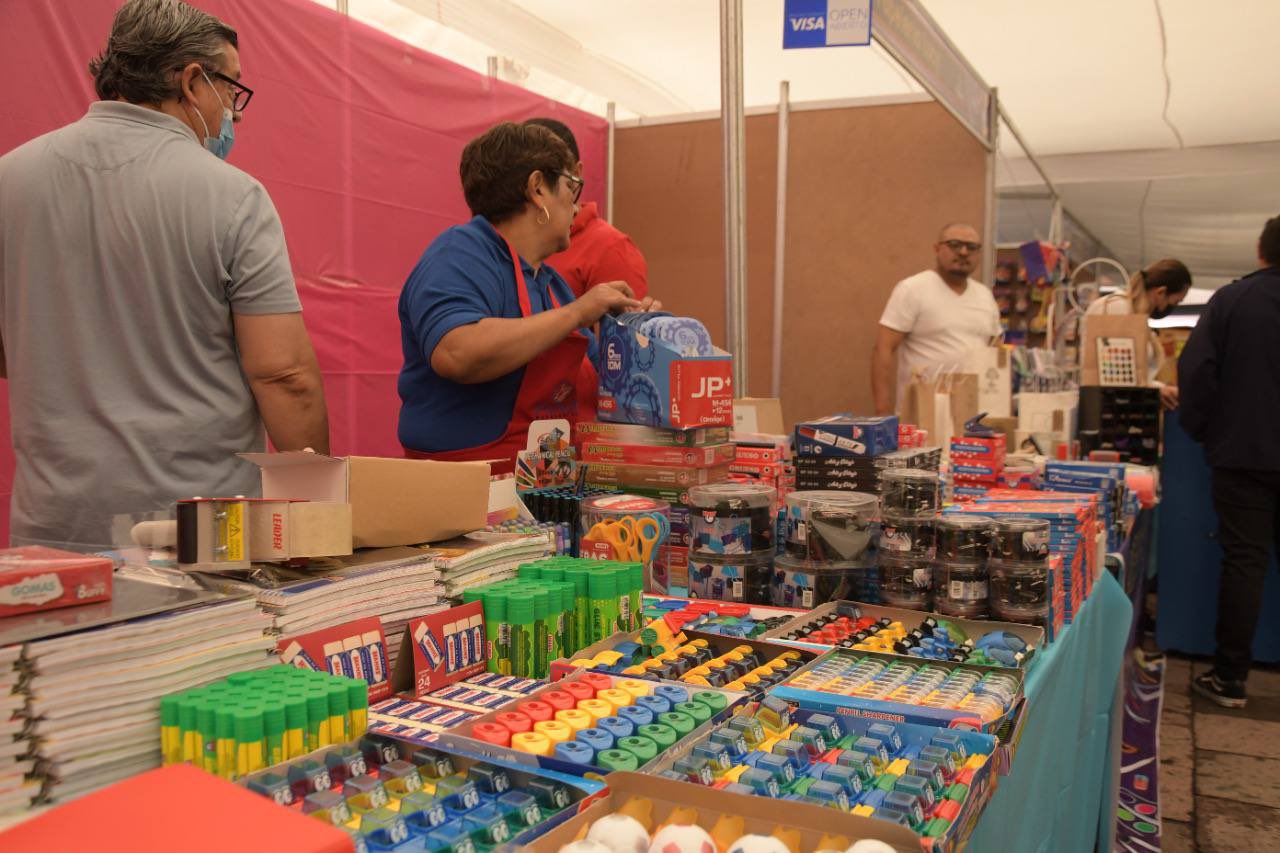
934,319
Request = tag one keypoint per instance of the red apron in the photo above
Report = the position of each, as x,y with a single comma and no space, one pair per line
547,391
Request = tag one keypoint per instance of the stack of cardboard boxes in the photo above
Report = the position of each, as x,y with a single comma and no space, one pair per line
976,465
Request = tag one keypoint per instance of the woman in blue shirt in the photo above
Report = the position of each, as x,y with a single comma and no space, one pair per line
492,337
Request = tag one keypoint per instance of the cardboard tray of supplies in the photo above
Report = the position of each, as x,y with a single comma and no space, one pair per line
461,737
1032,635
760,816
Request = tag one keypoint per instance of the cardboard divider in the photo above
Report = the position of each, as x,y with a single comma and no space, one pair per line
1032,635
760,816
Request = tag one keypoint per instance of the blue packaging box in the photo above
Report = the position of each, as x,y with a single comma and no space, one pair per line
648,382
847,435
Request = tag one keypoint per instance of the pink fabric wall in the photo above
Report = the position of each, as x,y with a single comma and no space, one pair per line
356,137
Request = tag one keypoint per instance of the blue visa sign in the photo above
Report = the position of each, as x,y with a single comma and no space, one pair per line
826,23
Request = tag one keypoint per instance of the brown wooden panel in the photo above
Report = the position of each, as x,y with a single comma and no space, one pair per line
868,190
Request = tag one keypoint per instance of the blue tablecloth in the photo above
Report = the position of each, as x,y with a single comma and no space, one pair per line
1062,775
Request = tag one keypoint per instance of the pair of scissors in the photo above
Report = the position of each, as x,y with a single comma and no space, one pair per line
632,539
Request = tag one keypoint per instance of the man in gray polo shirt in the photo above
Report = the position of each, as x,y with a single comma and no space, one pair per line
148,315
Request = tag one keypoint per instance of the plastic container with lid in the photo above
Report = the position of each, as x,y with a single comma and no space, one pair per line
961,536
1019,591
906,581
598,536
829,526
743,578
910,491
961,588
807,584
732,518
906,535
1021,540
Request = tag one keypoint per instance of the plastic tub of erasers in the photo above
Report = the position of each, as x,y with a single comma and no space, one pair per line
912,633
593,722
641,812
931,693
389,795
933,781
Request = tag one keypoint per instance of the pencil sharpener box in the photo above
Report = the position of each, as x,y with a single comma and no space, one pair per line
646,381
34,578
847,435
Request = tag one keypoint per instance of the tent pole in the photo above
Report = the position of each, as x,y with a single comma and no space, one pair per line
780,232
991,224
735,219
611,114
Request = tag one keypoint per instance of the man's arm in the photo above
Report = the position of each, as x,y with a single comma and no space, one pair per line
284,375
882,381
1198,373
495,346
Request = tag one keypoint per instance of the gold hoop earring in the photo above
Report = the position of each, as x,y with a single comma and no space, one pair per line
545,213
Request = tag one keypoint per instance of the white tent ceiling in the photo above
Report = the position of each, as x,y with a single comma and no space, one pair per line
1169,89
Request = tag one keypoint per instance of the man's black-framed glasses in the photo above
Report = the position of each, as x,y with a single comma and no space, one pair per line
240,93
575,183
957,245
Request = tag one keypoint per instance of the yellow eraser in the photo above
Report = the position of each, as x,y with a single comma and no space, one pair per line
898,767
556,731
976,761
863,811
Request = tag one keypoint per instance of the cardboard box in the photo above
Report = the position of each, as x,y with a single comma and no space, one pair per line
758,414
653,476
651,436
287,530
36,578
393,501
617,453
646,381
761,815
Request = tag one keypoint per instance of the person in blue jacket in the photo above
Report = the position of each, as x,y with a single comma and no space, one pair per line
1229,386
492,337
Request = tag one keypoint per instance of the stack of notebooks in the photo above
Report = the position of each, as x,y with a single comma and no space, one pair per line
393,584
483,558
16,792
93,697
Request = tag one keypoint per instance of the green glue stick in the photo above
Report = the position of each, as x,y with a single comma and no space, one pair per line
604,603
622,587
580,635
637,596
520,614
273,727
496,630
541,614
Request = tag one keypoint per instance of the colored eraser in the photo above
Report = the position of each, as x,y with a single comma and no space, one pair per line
617,727
575,752
598,739
515,721
636,715
494,733
536,711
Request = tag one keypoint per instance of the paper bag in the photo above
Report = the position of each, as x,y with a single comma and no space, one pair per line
941,406
1121,326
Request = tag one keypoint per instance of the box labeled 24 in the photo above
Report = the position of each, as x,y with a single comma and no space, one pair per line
646,381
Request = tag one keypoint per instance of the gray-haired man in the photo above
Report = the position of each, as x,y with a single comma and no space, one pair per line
148,315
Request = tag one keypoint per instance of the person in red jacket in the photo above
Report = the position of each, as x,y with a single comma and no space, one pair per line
597,253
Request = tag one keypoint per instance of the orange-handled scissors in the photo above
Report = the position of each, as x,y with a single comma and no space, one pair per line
632,539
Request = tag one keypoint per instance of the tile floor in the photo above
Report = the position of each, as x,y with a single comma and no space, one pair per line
1219,769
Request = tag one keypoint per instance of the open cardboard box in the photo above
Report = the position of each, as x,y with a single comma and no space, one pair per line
760,815
393,501
980,789
1032,635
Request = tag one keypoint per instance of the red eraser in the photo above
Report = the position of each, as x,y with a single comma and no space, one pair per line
579,690
965,775
515,722
559,699
537,711
947,810
493,733
598,680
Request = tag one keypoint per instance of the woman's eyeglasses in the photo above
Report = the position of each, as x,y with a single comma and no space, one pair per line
575,184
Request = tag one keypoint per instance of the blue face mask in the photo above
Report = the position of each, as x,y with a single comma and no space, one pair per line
220,145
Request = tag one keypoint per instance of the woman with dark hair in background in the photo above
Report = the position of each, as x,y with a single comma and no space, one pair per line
493,337
1153,291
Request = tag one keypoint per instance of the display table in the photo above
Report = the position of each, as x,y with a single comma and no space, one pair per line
1063,773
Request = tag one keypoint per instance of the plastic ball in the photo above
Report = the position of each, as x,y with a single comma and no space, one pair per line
758,844
585,846
869,845
682,839
620,833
